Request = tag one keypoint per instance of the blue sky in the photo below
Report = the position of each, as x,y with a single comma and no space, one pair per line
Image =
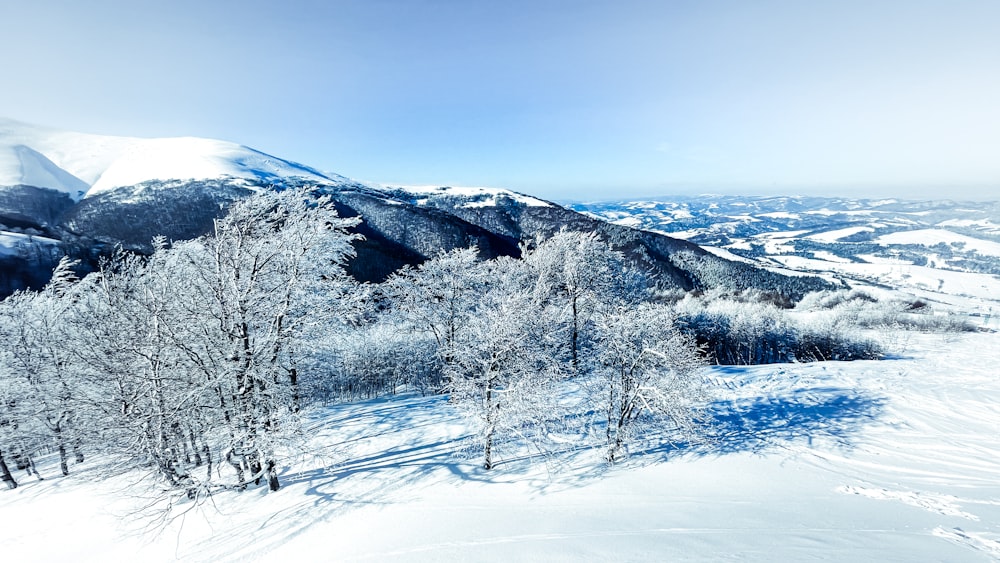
565,100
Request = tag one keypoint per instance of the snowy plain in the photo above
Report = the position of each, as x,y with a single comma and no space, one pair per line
891,460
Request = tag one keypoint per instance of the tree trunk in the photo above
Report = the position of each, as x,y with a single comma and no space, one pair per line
208,461
5,475
255,467
272,476
63,457
488,439
238,466
293,376
31,468
574,337
488,451
194,448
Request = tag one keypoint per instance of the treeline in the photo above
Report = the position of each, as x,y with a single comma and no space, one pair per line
196,362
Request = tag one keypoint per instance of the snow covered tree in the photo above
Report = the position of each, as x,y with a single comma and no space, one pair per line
40,376
502,370
440,296
577,273
380,358
644,371
151,404
272,264
194,352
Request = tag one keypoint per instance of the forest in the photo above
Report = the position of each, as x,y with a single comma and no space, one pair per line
198,363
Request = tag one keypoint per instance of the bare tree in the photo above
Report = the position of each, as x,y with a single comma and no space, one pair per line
41,367
5,475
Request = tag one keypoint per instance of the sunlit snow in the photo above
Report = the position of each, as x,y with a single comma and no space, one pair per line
82,164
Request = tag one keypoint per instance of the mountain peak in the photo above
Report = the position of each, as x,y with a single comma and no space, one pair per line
81,164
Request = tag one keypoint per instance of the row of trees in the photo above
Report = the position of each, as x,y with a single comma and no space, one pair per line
196,362
509,334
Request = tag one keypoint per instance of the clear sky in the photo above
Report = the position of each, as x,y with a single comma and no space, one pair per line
561,99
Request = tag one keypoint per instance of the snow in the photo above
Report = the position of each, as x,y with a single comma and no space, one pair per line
828,212
778,242
908,276
484,197
981,224
829,257
781,235
780,215
11,243
932,237
873,259
723,253
895,460
835,235
27,166
882,202
186,158
82,164
634,222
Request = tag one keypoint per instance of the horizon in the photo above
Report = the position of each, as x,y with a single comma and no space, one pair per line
568,101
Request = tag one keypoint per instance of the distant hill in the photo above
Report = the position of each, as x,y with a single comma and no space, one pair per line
930,246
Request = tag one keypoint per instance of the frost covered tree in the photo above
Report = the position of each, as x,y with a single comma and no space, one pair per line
503,371
577,273
380,358
151,403
272,266
440,296
39,376
644,371
187,358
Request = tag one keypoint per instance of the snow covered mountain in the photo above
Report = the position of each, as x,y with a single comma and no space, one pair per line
61,189
82,165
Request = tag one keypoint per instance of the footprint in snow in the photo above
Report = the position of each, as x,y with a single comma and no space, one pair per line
946,505
969,539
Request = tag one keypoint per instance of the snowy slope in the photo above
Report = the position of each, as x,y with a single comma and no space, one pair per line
933,237
81,164
896,460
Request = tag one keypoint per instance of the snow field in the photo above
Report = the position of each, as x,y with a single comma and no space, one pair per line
896,460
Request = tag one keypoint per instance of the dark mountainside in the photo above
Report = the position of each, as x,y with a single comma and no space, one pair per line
398,229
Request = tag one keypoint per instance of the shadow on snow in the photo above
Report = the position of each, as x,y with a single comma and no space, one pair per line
756,424
365,475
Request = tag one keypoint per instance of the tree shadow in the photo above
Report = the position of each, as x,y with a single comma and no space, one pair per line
369,474
756,424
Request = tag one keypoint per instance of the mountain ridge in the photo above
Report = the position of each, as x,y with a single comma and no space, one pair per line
142,188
